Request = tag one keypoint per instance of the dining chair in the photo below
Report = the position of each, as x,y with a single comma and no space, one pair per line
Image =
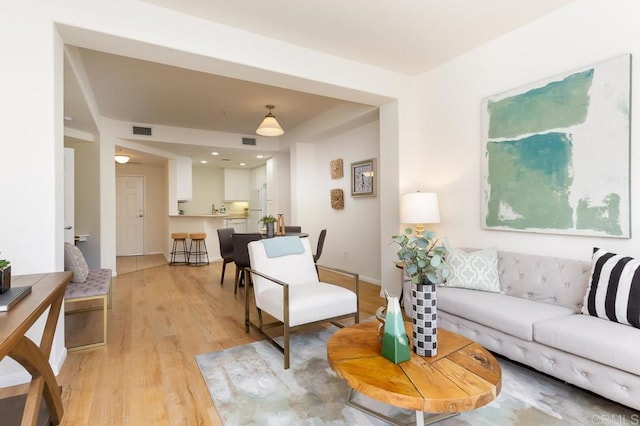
323,235
288,229
226,248
286,286
241,256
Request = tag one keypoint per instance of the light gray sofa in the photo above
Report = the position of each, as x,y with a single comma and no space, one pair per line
537,322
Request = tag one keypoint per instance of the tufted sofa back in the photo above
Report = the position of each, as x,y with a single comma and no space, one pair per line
545,279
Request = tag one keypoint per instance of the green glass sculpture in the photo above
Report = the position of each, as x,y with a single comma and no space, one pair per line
395,342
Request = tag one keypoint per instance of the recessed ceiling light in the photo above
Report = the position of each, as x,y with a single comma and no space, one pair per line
203,161
214,153
243,164
259,156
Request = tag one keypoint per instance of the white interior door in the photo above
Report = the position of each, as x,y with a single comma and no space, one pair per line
69,196
129,215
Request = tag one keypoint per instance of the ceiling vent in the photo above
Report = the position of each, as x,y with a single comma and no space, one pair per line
144,131
249,141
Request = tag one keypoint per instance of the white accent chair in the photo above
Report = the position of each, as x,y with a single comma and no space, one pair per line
287,288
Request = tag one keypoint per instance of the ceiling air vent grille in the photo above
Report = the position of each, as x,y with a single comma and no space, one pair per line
248,141
145,131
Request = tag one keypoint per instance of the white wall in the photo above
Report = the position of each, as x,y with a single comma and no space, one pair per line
31,167
353,233
87,198
448,157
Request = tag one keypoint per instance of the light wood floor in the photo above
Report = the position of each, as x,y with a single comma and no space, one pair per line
126,264
160,319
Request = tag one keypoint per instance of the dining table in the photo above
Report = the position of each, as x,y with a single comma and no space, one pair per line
288,234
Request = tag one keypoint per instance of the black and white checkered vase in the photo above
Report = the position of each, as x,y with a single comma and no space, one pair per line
425,322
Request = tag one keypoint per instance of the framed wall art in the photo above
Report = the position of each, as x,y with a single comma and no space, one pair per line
556,154
363,178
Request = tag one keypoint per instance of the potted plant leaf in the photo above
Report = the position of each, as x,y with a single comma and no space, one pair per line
5,275
269,221
422,256
424,264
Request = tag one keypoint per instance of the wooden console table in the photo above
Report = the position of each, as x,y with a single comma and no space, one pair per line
47,291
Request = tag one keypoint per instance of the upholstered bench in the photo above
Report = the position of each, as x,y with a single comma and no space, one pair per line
86,285
97,286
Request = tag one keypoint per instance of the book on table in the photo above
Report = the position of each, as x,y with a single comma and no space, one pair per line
12,296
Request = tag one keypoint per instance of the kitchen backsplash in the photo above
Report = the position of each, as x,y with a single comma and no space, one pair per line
238,208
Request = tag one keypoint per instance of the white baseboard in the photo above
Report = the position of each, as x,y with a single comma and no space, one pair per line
22,377
371,280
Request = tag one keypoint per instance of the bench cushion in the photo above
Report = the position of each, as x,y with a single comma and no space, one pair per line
96,284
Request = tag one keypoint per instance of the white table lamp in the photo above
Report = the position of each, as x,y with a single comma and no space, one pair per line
419,208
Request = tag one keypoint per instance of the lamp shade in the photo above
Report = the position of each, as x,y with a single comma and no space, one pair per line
269,126
122,158
419,207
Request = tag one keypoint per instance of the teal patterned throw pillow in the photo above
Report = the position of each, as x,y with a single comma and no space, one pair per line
477,270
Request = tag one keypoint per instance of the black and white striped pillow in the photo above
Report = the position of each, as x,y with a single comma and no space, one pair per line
614,288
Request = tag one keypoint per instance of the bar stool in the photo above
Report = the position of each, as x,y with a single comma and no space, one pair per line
197,254
179,238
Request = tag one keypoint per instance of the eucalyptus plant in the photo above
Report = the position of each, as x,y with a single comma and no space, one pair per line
423,257
267,219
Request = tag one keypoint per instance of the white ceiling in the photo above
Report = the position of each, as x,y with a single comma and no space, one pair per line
405,36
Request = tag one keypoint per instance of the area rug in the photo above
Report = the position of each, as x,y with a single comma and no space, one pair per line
249,386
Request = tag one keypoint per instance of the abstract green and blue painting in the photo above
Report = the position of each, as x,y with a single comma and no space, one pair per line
556,154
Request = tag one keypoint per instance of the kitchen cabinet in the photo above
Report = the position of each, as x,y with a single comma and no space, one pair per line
239,225
180,182
236,184
180,179
184,185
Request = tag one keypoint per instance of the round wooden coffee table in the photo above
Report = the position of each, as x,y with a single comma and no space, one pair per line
462,377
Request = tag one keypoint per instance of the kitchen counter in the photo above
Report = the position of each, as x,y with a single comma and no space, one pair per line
208,223
224,216
199,215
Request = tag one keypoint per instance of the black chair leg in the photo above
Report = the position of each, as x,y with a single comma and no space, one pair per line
224,266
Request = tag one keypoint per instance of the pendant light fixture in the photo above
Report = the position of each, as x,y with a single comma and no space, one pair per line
122,158
269,126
